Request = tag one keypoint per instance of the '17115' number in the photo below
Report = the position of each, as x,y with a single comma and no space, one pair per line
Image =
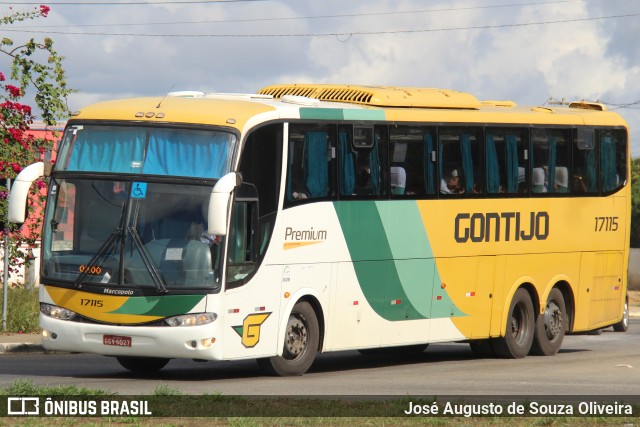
606,223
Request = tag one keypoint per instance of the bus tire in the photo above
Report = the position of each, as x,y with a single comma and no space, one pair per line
302,337
550,326
623,325
142,365
482,348
520,328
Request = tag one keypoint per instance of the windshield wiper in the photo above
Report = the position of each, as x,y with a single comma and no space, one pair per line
148,261
106,247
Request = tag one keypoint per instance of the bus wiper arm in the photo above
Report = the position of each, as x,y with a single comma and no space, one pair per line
106,247
148,261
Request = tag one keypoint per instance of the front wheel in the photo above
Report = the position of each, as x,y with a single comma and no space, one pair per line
520,328
623,325
301,341
142,365
550,326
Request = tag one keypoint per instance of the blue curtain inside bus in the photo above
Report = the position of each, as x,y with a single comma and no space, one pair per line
347,165
429,182
289,173
513,174
317,180
467,162
169,152
183,153
493,168
374,166
608,173
108,150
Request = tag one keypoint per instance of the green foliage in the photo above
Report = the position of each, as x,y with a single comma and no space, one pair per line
23,310
165,390
38,64
635,203
26,387
35,68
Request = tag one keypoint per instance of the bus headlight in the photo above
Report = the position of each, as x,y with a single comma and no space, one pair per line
191,319
56,312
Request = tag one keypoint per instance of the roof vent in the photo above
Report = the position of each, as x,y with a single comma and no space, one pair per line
585,105
379,96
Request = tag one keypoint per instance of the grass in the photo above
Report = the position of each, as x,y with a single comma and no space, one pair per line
165,397
23,310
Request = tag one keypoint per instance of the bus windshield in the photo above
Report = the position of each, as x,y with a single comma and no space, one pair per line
131,234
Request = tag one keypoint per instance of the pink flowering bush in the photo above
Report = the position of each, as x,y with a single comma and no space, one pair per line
37,67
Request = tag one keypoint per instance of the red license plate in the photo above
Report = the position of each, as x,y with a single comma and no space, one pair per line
116,340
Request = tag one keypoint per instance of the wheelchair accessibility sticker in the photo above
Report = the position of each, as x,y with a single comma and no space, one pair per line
139,190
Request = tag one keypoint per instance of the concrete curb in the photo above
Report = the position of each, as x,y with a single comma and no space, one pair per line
21,347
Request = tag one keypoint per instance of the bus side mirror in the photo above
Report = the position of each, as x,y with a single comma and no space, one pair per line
20,191
218,213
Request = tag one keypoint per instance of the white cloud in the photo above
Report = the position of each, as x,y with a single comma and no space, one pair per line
528,64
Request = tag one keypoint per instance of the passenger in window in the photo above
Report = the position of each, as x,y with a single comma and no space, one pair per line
538,177
579,185
451,184
299,189
398,180
562,180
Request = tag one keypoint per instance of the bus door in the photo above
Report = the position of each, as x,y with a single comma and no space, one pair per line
251,307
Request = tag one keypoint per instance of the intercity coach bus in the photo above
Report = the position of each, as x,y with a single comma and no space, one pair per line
313,218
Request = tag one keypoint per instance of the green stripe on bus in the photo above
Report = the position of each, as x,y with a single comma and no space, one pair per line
393,259
373,261
411,251
341,114
168,305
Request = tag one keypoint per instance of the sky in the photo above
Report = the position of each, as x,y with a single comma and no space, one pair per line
531,52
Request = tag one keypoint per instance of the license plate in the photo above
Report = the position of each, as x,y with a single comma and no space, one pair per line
116,340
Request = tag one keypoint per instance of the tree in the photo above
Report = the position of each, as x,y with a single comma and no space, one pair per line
34,67
635,203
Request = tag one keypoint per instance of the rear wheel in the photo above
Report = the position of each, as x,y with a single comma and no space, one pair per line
623,325
520,328
550,326
142,365
301,341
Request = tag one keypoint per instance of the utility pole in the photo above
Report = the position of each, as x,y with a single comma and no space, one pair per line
5,285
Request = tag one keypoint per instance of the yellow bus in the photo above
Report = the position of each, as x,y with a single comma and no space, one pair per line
315,218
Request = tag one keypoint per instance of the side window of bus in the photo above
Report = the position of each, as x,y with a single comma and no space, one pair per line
550,161
310,164
412,154
361,160
242,249
585,173
613,159
62,237
460,165
260,165
507,160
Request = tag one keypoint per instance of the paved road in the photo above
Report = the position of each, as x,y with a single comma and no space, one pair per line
604,364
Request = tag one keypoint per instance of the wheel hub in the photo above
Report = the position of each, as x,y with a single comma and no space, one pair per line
553,321
297,338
